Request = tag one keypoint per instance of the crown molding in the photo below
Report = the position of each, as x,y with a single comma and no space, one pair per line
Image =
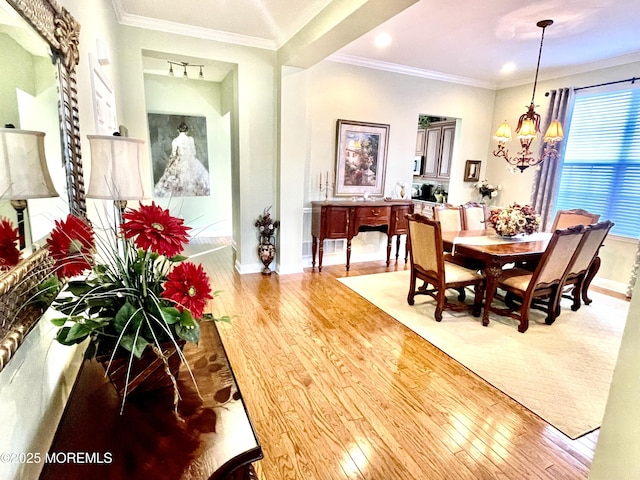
166,26
406,70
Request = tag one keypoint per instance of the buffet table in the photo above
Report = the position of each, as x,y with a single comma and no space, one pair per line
344,219
213,438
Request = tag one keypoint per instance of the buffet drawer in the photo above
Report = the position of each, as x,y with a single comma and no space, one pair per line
373,215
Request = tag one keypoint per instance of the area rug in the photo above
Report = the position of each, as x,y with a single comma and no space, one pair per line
561,372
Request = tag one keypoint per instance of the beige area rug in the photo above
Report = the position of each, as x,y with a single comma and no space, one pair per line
561,372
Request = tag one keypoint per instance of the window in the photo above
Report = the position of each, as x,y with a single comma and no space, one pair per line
600,169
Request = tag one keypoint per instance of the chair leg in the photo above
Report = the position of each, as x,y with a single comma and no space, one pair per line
524,318
440,300
477,300
577,290
461,294
412,289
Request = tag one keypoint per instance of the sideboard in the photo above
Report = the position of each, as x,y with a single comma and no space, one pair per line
344,219
211,439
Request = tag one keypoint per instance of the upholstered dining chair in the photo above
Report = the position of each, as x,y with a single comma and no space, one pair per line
585,265
474,216
569,218
541,284
449,216
428,264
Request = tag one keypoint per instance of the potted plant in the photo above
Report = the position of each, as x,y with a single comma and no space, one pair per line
130,293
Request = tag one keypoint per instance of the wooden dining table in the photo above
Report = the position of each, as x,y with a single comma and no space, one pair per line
494,252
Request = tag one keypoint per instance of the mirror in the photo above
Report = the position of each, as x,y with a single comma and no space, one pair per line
49,43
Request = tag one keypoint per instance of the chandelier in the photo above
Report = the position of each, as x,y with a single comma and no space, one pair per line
528,129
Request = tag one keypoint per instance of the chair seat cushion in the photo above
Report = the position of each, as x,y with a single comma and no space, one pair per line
516,278
456,273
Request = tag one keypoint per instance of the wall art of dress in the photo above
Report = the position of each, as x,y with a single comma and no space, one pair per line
179,155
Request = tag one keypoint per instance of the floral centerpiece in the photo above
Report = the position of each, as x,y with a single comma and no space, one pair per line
514,220
128,293
487,190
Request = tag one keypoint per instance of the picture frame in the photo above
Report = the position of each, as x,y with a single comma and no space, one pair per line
472,171
361,158
163,132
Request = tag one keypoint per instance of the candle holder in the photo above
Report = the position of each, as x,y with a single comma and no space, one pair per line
326,187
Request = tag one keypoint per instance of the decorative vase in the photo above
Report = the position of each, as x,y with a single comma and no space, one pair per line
266,253
146,373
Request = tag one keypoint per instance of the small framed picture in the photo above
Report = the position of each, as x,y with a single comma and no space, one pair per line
417,165
472,171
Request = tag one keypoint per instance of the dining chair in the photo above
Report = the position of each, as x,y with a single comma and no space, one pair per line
569,218
449,216
523,286
585,265
428,264
474,216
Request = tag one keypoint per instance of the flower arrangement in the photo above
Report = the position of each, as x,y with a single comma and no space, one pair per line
266,226
135,292
486,189
514,220
9,237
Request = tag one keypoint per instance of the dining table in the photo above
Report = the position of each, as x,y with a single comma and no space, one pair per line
494,252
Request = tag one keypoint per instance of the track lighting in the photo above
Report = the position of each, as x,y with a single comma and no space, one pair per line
184,66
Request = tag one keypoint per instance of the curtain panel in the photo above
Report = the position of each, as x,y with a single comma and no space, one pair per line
545,183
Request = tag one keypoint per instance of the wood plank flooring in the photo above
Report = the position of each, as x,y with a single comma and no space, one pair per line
337,389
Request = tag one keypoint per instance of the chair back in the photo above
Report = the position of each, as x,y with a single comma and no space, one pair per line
557,258
449,216
593,238
569,218
425,240
474,216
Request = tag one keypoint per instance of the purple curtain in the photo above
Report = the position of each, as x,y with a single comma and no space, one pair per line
543,194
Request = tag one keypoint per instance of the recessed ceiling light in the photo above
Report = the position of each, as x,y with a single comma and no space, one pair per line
383,40
508,68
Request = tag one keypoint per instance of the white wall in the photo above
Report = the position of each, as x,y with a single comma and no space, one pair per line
253,130
312,102
617,453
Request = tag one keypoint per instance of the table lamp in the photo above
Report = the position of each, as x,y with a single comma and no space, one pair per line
116,165
24,171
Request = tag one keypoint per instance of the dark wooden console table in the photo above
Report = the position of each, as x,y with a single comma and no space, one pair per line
214,440
344,219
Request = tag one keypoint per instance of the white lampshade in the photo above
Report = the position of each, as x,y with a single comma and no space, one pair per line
24,172
116,168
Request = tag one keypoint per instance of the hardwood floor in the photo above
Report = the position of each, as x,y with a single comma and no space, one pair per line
337,389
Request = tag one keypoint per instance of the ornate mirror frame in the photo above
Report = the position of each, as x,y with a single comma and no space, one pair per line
61,31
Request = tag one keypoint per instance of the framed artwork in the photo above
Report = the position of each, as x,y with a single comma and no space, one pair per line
361,158
179,155
472,171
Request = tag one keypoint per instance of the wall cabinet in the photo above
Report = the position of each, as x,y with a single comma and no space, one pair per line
438,150
420,141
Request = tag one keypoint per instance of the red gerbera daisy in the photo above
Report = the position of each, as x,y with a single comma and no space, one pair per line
9,253
188,286
155,229
71,244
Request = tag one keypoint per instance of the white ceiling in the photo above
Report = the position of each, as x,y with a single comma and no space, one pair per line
459,40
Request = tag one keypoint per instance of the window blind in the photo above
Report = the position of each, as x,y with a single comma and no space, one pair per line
600,169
